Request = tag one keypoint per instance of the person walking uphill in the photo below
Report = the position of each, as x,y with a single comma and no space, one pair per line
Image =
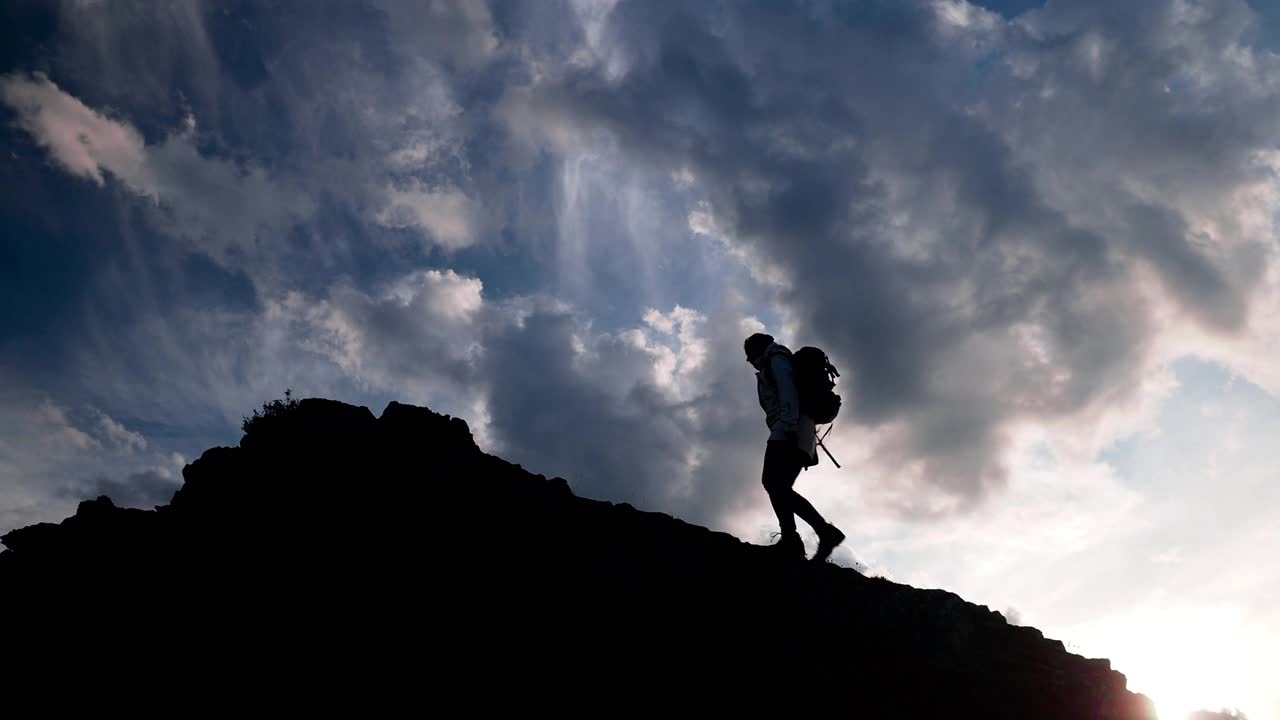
792,445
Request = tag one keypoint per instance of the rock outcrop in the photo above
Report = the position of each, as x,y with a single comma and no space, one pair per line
337,563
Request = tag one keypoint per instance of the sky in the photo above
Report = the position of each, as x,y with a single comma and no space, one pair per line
1037,238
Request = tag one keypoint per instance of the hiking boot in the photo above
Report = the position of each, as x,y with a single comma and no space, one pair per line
828,538
789,546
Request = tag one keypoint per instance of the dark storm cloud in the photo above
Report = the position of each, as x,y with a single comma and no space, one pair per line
598,417
1219,296
847,145
627,449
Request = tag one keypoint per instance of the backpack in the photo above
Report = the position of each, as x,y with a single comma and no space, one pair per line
815,379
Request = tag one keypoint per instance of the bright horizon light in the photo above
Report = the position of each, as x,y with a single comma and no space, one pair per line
1184,658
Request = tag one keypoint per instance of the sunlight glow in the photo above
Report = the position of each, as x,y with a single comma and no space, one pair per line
1183,658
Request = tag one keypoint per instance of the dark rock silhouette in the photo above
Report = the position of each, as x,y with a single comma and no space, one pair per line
337,563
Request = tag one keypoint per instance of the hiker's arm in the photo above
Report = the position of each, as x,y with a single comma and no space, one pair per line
788,396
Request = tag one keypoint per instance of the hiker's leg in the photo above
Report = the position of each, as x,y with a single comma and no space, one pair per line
807,511
780,471
782,508
797,503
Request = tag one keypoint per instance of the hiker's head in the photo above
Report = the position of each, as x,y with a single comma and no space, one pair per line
755,346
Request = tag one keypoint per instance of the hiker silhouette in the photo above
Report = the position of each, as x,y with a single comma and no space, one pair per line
792,446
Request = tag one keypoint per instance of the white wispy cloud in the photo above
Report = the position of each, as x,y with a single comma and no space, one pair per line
118,434
220,206
82,141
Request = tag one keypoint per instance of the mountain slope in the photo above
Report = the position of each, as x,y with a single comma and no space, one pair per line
336,562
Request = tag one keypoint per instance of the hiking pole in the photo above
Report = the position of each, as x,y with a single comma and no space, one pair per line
824,447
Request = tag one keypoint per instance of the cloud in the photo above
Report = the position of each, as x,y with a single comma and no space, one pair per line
1012,616
418,333
943,224
82,141
118,434
663,420
221,206
356,117
50,458
447,216
459,31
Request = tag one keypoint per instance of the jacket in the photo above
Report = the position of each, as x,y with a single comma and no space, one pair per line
780,401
